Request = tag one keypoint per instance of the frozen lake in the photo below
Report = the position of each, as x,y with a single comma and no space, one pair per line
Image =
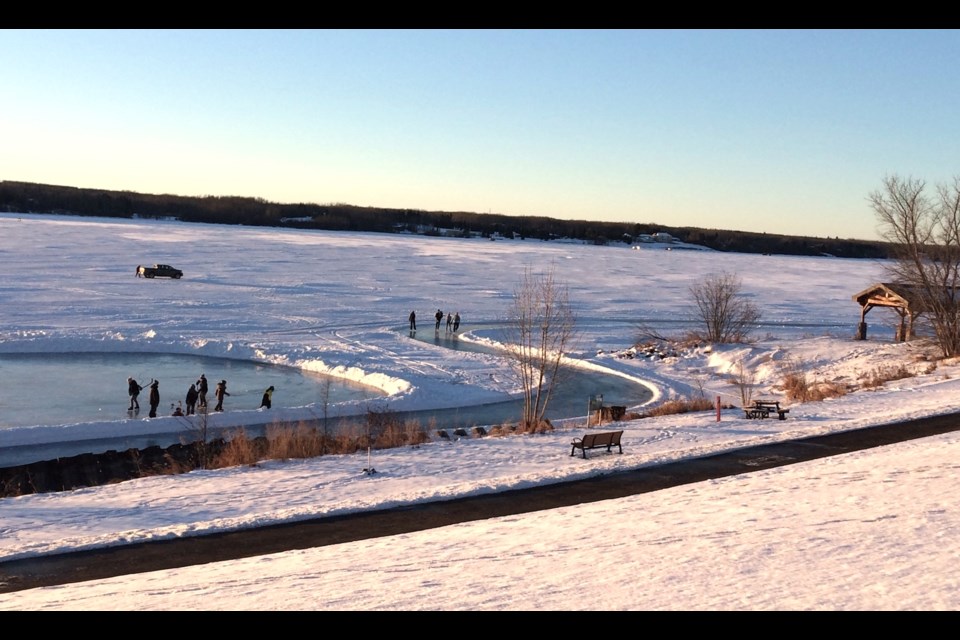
67,388
64,388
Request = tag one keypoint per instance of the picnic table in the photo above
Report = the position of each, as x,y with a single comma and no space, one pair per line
763,409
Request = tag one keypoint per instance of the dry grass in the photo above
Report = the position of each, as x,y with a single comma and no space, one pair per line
239,450
294,441
881,375
382,430
680,405
799,387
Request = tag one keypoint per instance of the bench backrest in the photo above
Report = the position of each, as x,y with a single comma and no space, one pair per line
602,439
590,439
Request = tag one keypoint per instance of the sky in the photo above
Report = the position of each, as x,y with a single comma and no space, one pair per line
871,530
773,131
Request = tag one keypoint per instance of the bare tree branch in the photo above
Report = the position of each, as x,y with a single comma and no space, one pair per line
926,237
541,329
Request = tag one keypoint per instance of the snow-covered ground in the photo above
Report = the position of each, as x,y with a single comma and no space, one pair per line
871,530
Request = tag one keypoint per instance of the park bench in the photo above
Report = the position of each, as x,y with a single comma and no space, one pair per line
607,439
763,409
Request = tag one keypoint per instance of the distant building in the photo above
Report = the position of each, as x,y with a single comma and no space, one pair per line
660,237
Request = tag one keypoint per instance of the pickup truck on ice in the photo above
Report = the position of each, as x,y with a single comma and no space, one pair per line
160,271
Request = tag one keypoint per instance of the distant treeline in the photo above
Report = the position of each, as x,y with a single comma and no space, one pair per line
27,197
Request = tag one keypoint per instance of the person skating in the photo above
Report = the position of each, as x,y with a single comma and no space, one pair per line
456,322
220,392
449,321
267,400
192,396
133,389
202,389
154,398
439,316
413,321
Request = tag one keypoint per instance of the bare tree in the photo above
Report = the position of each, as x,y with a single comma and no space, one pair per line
725,314
925,234
325,399
199,429
744,379
541,328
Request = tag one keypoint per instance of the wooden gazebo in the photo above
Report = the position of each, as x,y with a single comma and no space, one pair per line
905,299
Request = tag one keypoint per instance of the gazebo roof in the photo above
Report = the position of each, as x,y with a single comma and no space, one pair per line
891,294
911,298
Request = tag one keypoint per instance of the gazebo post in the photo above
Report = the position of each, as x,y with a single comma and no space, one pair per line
862,327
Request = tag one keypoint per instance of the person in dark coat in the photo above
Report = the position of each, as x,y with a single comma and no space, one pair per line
413,321
449,322
267,400
456,321
154,398
439,316
202,391
192,395
133,389
220,392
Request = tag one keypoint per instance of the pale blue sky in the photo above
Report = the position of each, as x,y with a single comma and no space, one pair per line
757,130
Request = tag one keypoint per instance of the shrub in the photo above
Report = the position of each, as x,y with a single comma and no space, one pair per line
724,313
744,379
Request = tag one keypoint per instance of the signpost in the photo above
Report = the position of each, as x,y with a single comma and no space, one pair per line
595,405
